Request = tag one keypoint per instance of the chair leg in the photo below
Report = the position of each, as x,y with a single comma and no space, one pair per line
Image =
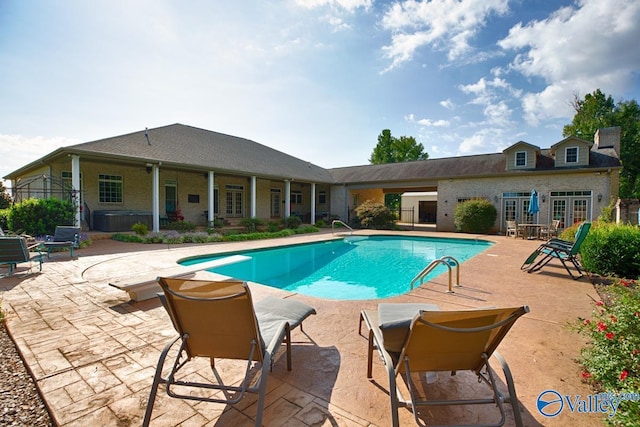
157,379
513,398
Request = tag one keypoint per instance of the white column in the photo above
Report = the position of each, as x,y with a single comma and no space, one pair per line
253,197
313,203
75,183
287,198
211,201
155,197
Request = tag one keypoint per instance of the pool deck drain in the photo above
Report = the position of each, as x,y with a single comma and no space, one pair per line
93,352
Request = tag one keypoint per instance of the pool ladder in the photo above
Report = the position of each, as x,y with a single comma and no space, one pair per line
446,260
337,221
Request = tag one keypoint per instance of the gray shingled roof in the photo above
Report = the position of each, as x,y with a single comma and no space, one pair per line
458,167
186,146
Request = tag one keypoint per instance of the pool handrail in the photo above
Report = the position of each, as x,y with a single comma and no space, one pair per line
337,221
433,264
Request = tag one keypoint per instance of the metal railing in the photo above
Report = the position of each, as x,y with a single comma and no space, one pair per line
446,260
337,221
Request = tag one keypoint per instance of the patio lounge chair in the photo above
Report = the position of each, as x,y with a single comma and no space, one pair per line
441,341
15,249
65,237
219,320
563,250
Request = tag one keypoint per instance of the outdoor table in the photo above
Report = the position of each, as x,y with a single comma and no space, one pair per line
531,231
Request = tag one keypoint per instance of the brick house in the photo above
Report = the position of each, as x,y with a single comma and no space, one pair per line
183,172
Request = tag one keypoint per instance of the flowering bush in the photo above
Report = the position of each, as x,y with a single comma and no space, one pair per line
611,358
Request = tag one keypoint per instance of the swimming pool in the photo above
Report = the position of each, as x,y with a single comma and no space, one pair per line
352,268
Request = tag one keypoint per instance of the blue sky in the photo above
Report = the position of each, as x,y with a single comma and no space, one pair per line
317,79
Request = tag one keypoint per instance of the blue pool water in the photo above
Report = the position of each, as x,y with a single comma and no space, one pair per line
353,268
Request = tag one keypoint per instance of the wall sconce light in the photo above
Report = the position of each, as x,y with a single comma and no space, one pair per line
148,167
599,197
544,198
496,199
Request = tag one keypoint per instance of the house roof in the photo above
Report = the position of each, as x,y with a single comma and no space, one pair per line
179,145
483,165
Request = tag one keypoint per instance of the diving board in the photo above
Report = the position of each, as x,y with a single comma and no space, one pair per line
143,286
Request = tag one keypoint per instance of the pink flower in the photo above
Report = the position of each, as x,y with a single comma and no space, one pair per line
586,374
601,327
623,375
609,335
635,351
587,321
599,303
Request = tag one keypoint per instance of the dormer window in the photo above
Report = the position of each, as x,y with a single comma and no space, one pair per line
521,158
571,155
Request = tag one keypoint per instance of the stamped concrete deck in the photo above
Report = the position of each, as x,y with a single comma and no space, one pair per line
93,353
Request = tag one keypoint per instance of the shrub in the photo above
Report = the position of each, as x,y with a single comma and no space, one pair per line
375,215
292,222
183,226
320,223
4,218
251,224
39,217
475,216
273,226
140,228
611,249
611,358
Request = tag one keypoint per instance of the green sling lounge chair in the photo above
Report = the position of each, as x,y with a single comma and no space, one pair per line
219,320
15,250
436,341
562,250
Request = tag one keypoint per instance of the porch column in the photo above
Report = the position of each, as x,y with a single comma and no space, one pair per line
313,203
75,183
253,196
287,198
211,202
155,197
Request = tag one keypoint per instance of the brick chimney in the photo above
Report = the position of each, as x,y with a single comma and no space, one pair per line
608,138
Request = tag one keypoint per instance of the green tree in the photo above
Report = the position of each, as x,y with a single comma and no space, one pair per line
395,150
5,198
598,110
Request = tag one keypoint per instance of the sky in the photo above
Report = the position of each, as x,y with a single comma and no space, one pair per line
316,79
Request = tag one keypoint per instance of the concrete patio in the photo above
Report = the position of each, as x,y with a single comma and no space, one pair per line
93,353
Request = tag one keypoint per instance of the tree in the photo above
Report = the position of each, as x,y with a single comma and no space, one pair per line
395,150
5,198
598,110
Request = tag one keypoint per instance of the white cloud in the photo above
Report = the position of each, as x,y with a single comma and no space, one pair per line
349,5
13,159
434,123
447,26
578,49
448,104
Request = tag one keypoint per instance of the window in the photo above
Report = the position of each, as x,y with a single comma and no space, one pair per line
322,197
296,197
521,158
67,186
571,155
110,188
235,194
